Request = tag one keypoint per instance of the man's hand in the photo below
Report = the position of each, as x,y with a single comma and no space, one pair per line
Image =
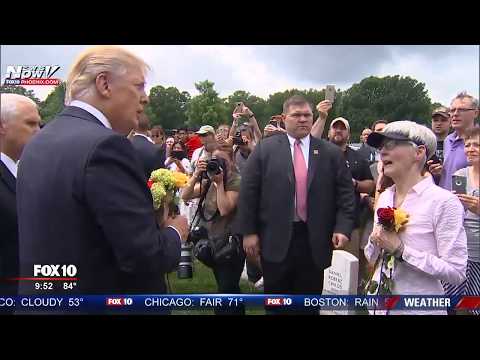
472,203
180,223
270,130
434,169
339,240
251,246
323,108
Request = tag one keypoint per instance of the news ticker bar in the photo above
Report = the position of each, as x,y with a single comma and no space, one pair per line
159,303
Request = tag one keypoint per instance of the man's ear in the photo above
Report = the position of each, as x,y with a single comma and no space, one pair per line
103,85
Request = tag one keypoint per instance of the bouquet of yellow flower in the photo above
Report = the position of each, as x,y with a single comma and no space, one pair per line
164,184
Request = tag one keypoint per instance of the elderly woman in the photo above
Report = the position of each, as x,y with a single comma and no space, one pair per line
471,203
432,246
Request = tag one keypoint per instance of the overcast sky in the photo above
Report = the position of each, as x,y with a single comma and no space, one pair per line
263,70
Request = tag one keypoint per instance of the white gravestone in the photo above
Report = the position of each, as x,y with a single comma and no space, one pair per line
341,278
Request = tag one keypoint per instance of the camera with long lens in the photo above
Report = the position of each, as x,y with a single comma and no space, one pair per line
185,267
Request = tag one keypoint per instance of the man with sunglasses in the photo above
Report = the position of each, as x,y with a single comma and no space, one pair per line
463,111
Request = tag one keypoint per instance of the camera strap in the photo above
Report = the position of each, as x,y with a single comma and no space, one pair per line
201,209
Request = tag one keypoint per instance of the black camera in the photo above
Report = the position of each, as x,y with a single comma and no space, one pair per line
215,166
227,250
198,233
179,155
237,139
214,251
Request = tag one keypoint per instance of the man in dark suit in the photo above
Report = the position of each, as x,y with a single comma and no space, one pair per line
151,156
19,121
296,204
81,193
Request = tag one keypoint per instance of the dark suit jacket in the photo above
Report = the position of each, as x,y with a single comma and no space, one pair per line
266,201
150,156
8,232
82,200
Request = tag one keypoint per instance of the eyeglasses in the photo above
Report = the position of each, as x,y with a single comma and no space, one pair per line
460,110
391,144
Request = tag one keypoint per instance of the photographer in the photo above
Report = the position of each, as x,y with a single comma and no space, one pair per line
242,112
244,145
178,161
219,191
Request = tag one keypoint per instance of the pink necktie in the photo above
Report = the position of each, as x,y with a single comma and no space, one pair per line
300,181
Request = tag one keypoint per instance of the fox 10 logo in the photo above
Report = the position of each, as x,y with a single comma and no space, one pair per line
31,75
52,271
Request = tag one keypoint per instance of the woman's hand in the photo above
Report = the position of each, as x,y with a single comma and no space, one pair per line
472,203
387,240
201,166
218,179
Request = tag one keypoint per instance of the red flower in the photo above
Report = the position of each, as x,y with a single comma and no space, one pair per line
386,217
149,184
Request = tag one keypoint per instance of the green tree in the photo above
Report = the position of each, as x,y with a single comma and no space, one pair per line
13,89
53,104
167,107
392,98
207,108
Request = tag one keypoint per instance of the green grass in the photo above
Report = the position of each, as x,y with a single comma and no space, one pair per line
203,282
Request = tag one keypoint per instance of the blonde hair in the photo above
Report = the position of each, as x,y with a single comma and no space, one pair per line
94,61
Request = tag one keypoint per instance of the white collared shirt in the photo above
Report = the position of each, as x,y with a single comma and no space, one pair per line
145,136
92,110
11,165
305,146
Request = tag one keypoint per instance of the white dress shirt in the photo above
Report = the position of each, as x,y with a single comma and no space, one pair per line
92,110
305,146
145,136
11,165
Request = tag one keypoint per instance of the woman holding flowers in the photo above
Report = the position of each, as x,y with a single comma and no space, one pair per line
418,239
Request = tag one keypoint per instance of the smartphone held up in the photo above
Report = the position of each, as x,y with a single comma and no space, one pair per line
330,93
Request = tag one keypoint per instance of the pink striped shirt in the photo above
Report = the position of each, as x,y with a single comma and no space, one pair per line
434,238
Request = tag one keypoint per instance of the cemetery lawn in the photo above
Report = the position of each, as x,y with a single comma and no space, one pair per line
203,282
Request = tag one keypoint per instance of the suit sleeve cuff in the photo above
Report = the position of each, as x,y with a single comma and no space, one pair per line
178,232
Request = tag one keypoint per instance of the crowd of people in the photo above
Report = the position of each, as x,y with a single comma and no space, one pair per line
76,191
